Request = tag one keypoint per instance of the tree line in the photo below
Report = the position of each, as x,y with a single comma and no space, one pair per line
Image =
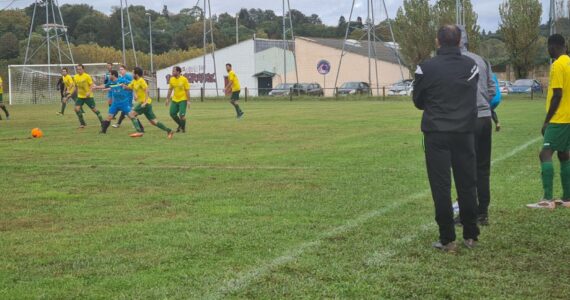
95,36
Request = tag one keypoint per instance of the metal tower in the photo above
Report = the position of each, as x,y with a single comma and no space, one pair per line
56,32
286,42
552,17
372,39
459,12
208,31
124,32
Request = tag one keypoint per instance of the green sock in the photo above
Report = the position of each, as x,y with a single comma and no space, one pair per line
98,113
136,124
63,104
161,126
547,178
80,117
565,178
183,124
176,119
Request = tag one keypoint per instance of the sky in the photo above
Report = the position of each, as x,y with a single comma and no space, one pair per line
328,10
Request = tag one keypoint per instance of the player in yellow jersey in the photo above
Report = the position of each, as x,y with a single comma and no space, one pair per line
556,128
69,91
84,85
234,88
2,106
179,93
144,104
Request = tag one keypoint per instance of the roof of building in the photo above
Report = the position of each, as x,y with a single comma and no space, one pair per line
383,52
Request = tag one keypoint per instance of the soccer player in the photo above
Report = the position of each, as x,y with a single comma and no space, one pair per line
108,80
69,89
556,128
233,87
144,104
180,87
126,78
2,106
84,84
120,99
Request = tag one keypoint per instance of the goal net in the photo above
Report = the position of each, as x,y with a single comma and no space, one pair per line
37,84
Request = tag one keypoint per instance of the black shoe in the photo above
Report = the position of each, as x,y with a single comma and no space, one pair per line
483,220
178,129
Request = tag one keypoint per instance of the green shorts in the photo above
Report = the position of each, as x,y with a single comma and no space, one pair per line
146,111
1,98
557,137
178,108
235,96
89,101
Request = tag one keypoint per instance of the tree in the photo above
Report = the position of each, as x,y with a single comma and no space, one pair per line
520,21
415,32
16,22
445,12
9,46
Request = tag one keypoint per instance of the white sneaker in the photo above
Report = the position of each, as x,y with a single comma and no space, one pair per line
116,125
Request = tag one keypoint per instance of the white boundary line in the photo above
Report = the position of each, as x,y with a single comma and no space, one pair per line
244,279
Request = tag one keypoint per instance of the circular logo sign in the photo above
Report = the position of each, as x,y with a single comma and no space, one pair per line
324,67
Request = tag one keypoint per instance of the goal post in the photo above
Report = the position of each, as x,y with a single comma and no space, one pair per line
37,84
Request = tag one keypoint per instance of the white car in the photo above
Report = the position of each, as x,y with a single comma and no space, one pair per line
401,88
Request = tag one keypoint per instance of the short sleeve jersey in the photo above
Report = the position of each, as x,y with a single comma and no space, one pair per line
560,79
139,87
83,83
69,84
179,85
232,77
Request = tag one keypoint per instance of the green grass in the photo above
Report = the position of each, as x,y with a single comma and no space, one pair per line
302,199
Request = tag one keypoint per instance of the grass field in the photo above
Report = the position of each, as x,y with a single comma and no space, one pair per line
306,199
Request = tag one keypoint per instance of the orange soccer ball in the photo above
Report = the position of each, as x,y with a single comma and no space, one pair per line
37,133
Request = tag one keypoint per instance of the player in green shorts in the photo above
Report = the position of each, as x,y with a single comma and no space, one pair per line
179,92
144,105
2,106
84,85
556,128
233,88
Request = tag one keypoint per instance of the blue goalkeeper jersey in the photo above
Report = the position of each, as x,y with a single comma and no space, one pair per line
127,79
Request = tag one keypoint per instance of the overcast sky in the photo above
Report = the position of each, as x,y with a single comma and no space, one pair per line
328,10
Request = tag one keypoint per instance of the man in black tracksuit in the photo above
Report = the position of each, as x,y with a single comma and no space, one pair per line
445,89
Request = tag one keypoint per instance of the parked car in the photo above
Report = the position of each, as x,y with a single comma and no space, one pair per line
525,86
401,88
504,86
309,89
353,88
282,89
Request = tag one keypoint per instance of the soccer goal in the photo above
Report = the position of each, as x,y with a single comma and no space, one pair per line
37,84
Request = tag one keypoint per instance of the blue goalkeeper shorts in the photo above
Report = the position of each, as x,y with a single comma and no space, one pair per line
116,106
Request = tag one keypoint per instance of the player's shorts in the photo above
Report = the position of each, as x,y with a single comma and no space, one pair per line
557,137
89,101
178,108
116,106
146,111
1,98
235,96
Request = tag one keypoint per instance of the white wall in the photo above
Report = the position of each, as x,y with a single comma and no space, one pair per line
241,56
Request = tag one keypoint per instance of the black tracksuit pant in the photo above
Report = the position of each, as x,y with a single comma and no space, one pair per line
483,134
445,152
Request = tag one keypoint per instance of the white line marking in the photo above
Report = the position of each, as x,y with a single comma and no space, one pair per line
244,279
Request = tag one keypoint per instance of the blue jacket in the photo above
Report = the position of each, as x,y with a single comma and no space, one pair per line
498,97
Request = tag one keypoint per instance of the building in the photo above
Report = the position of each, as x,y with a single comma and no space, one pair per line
261,65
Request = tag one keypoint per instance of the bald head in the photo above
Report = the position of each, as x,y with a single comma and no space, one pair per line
449,36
